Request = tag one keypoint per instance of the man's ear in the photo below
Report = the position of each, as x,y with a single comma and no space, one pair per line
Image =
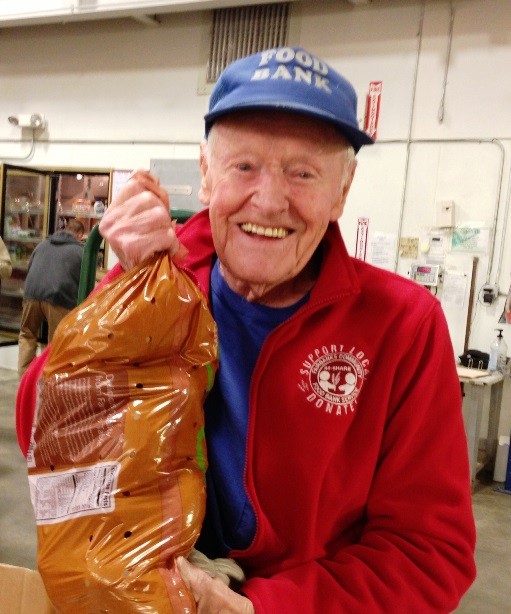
204,190
338,208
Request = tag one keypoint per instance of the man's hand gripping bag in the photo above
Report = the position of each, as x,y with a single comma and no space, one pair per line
117,458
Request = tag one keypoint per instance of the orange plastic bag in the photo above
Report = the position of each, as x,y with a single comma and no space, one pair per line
117,459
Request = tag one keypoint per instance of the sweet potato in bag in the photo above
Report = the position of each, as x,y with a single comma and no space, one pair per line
117,458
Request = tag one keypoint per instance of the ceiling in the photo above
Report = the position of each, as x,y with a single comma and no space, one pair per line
34,12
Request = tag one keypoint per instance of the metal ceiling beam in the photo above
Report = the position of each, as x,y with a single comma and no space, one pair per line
148,20
34,12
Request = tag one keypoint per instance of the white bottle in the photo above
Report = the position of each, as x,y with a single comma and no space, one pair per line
498,354
99,207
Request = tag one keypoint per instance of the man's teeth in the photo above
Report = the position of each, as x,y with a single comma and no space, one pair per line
278,233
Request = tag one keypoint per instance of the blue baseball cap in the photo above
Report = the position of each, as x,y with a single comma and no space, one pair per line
288,79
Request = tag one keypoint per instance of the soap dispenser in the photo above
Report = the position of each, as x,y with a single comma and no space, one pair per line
498,353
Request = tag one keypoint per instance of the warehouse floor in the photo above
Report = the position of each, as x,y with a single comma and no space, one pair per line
492,509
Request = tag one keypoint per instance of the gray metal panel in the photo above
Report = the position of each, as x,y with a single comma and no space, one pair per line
181,179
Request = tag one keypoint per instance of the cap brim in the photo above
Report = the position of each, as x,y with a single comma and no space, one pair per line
354,136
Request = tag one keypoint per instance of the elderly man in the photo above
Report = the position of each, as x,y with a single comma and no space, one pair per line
338,475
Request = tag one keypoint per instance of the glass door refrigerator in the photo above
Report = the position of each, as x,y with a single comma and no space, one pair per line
34,204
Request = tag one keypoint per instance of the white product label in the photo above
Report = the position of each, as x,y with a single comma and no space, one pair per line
61,495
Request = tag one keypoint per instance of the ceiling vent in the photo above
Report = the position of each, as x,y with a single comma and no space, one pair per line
238,32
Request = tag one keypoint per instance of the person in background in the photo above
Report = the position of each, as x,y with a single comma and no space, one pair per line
51,287
338,473
5,261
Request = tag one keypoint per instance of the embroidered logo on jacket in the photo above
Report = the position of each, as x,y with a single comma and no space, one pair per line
332,378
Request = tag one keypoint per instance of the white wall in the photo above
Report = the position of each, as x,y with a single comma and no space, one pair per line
117,94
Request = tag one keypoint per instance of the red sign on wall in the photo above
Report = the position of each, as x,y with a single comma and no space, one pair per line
362,230
372,113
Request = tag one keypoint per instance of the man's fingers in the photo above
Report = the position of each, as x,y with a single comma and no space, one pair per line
137,224
184,569
138,182
151,183
193,577
211,594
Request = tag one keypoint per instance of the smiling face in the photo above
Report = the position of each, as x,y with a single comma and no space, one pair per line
272,181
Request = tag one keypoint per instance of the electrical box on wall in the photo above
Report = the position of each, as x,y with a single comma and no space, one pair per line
490,294
445,214
425,274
